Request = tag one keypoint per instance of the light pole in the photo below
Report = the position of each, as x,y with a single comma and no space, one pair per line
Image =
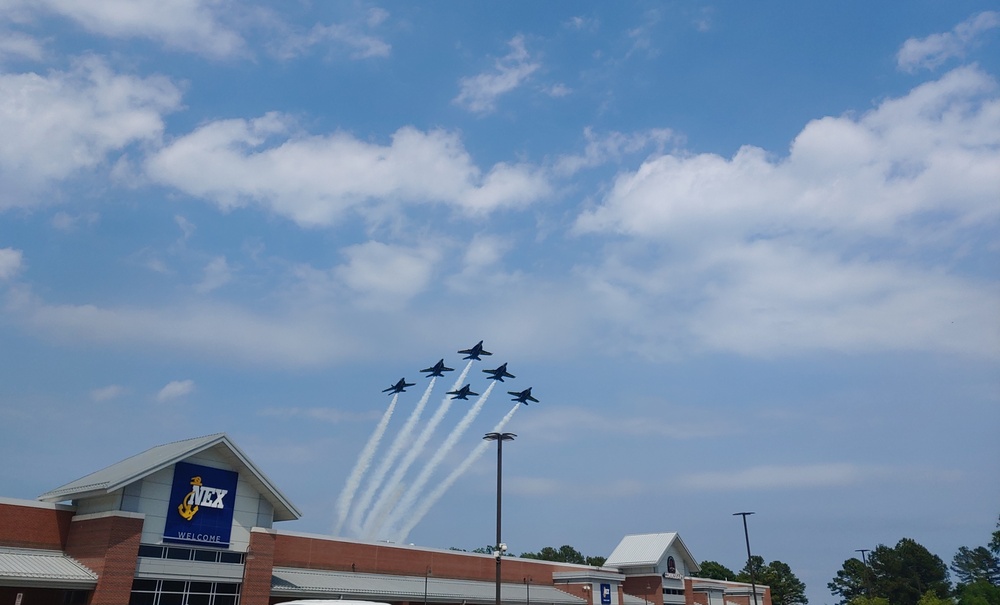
427,574
527,590
868,588
753,575
500,547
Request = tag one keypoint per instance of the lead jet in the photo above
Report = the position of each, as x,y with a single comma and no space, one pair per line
522,396
475,352
437,369
462,393
499,373
399,387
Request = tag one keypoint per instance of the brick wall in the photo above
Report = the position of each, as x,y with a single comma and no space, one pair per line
257,570
109,545
648,588
34,527
319,553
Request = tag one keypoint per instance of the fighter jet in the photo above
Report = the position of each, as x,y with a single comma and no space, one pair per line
475,352
399,387
523,396
462,393
499,373
437,369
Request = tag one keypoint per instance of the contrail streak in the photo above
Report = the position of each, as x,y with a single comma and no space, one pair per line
402,437
369,527
410,498
436,495
364,460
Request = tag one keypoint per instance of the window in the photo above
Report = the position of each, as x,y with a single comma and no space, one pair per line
671,567
177,592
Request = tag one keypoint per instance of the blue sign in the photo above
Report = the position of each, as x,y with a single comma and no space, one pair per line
605,594
201,505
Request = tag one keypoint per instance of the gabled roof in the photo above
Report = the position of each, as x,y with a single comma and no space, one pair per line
33,567
644,550
141,465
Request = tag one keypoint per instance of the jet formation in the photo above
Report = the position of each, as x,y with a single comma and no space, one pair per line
474,352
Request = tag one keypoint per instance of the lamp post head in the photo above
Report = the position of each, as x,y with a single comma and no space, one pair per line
499,436
738,514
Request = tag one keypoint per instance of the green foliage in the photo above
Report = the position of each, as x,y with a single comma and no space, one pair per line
973,565
596,561
564,554
903,574
930,598
786,589
715,571
851,582
980,592
863,600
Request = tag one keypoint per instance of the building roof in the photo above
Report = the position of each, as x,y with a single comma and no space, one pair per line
294,582
33,567
132,469
642,550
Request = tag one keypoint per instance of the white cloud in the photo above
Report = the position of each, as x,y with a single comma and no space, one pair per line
479,93
19,45
782,477
762,254
11,261
314,180
186,25
387,275
612,146
175,389
107,393
216,275
360,45
57,124
934,50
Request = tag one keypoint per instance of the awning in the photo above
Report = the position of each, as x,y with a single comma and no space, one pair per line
315,583
44,569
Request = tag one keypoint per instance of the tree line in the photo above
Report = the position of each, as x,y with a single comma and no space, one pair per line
909,574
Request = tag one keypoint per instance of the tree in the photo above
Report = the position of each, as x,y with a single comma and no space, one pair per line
715,571
980,592
786,589
596,561
565,554
903,574
973,565
851,582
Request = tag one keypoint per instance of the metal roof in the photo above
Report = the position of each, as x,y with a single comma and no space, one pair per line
29,567
286,581
132,469
640,549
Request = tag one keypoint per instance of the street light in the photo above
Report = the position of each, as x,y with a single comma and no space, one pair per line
868,587
753,575
427,574
500,547
527,590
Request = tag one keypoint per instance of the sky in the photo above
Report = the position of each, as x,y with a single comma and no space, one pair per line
745,255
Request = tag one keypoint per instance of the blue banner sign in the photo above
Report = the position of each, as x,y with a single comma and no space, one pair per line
605,594
201,505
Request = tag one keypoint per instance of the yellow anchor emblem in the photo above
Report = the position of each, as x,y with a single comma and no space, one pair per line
187,508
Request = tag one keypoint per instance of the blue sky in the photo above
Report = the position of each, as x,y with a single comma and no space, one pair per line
745,254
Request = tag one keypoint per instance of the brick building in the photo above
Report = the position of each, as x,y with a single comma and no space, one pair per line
192,523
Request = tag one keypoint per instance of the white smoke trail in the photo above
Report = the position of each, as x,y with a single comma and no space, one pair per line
361,466
402,437
436,495
410,498
369,528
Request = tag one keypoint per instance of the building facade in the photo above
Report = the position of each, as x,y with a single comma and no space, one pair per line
192,523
